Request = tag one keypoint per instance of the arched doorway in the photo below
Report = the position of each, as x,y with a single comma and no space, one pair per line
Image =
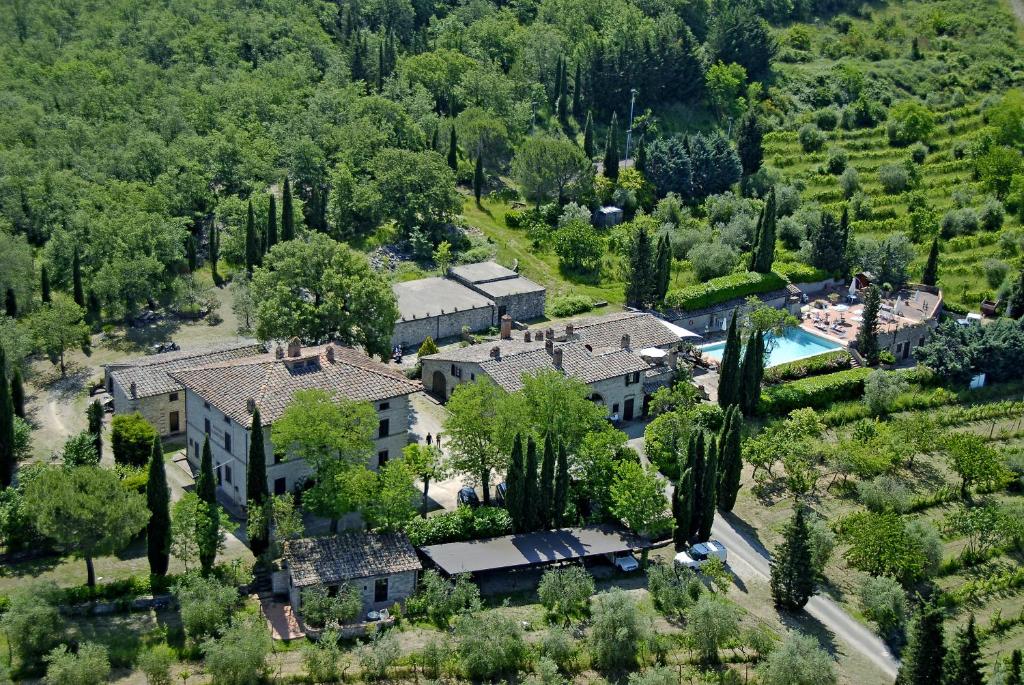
439,386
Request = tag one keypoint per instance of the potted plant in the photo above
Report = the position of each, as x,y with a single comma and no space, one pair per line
886,360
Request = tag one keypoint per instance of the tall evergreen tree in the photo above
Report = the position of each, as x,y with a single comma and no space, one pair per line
793,577
190,253
611,150
730,458
562,106
964,665
556,89
357,66
252,250
44,284
94,419
7,464
751,373
380,66
640,163
18,393
93,311
158,499
546,505
206,483
453,149
663,268
749,143
561,487
531,491
272,223
588,136
729,368
577,93
1015,301
641,280
931,267
515,487
867,336
828,243
682,507
208,534
922,659
256,490
433,137
311,212
76,279
478,178
764,250
213,250
11,303
709,491
697,463
287,213
1013,671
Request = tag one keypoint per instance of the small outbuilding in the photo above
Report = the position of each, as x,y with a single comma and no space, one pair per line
607,216
382,566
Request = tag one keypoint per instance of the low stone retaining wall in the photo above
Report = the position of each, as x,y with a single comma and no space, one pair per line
144,603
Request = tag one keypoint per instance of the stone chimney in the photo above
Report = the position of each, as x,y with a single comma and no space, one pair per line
527,337
570,330
495,352
330,353
250,405
294,347
549,334
506,327
279,352
556,358
549,345
134,390
625,341
673,359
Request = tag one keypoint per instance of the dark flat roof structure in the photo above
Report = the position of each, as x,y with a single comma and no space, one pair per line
531,549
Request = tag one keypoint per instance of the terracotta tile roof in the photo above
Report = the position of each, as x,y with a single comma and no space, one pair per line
271,381
577,362
347,556
644,330
151,375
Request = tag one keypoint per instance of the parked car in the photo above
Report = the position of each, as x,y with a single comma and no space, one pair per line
499,493
698,555
624,561
468,497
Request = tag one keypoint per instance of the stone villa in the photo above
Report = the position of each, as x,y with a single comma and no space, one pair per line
220,399
145,384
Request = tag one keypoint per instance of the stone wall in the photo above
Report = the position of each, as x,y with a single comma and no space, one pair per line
156,409
431,367
410,333
523,306
710,320
401,586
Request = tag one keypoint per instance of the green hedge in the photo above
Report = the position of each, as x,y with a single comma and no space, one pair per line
798,272
723,289
570,305
460,525
828,362
817,391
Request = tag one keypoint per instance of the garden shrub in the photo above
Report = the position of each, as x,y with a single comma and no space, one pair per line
32,624
379,654
836,161
673,588
798,272
829,362
723,289
816,392
439,599
565,592
570,305
849,181
712,260
205,604
826,119
992,214
909,122
90,665
811,138
324,659
240,656
918,153
958,222
894,178
885,493
462,524
490,646
319,609
131,438
619,631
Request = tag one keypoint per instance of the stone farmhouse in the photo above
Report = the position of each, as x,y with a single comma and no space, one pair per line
145,384
473,297
620,369
382,566
220,399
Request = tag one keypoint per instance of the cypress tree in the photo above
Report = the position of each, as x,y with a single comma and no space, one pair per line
561,487
556,89
730,459
611,150
729,368
546,504
828,242
709,492
11,303
931,267
755,246
6,426
18,393
76,280
922,659
515,484
682,507
190,253
793,577
272,223
641,283
380,66
764,250
697,464
93,313
867,336
577,93
256,490
208,535
206,483
390,56
964,665
663,267
453,150
1013,673
640,164
563,94
478,178
433,138
588,136
531,491
357,66
44,284
751,373
287,213
749,143
158,499
251,247
94,417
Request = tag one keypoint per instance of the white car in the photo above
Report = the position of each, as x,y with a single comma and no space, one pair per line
625,562
698,555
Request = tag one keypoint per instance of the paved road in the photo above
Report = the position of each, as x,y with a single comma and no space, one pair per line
752,555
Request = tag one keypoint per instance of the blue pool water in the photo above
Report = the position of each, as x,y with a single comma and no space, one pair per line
795,344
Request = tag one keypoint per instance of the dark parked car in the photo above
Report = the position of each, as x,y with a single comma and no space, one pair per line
467,497
499,493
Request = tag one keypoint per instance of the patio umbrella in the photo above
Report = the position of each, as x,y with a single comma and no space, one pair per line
842,307
853,288
898,305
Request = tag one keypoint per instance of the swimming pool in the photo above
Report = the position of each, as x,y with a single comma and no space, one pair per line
795,344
